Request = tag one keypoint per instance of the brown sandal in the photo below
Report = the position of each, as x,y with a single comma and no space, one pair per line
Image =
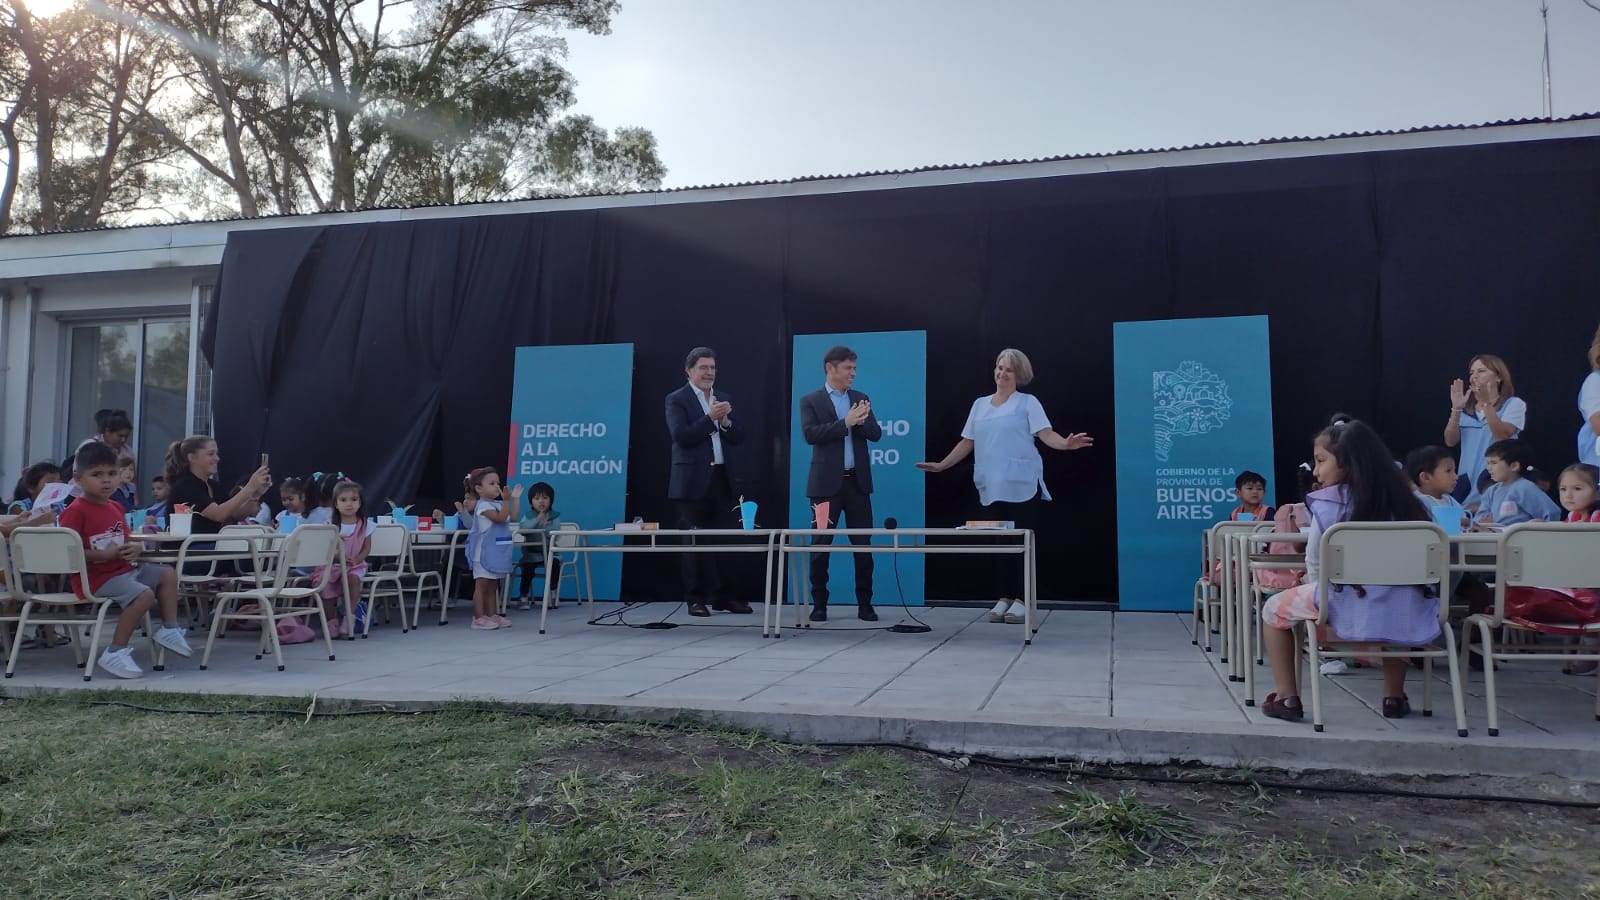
1287,708
1396,707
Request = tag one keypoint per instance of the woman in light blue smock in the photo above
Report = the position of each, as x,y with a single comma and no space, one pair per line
1483,410
1589,408
1007,468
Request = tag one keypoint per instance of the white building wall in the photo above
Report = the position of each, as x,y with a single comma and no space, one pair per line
34,332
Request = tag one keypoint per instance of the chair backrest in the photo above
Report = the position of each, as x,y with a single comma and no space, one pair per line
1387,553
389,542
1220,533
46,551
563,539
1550,554
309,547
7,577
223,545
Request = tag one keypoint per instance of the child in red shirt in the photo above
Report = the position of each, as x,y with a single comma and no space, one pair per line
1251,489
109,559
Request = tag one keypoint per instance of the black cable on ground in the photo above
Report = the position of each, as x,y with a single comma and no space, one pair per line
977,759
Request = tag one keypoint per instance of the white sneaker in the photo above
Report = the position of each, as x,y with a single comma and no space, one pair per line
173,639
1017,614
998,614
1335,667
120,663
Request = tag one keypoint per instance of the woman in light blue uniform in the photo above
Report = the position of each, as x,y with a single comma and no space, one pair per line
1589,408
1483,409
1007,468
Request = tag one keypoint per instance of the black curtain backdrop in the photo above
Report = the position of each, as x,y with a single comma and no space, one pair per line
385,350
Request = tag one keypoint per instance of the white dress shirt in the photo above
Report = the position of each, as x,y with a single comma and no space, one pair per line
716,436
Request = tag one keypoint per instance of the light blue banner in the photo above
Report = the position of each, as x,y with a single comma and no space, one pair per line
891,369
1194,408
569,428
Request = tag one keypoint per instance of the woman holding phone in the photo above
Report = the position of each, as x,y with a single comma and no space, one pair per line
191,473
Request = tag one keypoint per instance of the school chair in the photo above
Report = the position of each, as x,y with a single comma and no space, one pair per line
1384,553
1536,554
53,551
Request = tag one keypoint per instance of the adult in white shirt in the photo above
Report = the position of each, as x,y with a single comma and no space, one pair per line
1007,469
1589,407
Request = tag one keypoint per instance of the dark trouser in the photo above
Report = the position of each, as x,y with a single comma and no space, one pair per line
855,507
1008,567
714,510
552,576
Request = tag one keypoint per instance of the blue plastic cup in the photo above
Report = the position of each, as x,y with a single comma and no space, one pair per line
747,514
288,523
452,523
1448,518
1247,517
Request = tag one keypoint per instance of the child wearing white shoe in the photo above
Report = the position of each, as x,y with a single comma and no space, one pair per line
109,559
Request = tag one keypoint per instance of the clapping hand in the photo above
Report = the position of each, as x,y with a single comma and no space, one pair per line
720,410
1484,393
1458,394
130,551
516,492
858,413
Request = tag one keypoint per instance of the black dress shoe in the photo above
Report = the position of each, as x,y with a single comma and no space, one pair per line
699,609
865,612
733,606
819,614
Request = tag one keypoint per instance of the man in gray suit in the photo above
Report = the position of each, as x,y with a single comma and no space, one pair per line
838,422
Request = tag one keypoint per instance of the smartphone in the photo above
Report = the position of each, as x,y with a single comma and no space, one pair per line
263,460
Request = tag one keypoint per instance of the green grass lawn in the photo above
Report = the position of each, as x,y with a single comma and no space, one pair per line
101,800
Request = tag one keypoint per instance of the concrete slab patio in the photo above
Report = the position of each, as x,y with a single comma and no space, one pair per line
1095,686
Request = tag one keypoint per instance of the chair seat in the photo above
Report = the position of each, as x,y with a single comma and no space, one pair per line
288,593
62,599
1553,627
1570,629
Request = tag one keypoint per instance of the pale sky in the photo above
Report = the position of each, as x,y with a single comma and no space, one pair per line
744,90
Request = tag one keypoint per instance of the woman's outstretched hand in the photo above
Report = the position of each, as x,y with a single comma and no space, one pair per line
932,466
1078,441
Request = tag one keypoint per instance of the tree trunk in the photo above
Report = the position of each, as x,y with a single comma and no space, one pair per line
8,188
44,156
242,186
44,120
103,175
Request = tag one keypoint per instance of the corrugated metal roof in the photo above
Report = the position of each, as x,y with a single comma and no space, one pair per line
947,167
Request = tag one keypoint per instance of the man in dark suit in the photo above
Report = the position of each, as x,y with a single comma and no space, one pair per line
838,422
700,420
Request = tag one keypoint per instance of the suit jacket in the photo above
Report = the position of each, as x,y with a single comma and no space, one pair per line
691,431
825,432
